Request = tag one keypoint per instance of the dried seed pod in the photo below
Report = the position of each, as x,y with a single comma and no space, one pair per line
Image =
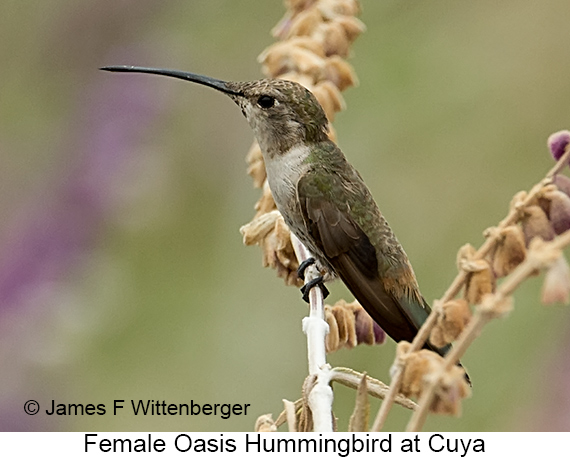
331,8
350,325
480,278
352,26
419,366
559,211
305,22
562,182
495,307
305,80
465,254
510,250
258,228
308,43
557,143
285,259
284,57
339,72
379,334
332,37
296,6
451,321
285,252
332,133
364,327
556,286
332,340
517,200
265,423
450,391
344,322
350,320
266,203
281,29
544,197
479,283
256,165
536,224
329,97
271,233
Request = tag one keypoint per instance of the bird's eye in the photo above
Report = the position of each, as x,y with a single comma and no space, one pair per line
265,101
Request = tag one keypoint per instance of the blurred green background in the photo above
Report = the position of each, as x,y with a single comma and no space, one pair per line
122,270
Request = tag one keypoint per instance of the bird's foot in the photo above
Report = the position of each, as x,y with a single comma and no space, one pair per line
318,281
304,265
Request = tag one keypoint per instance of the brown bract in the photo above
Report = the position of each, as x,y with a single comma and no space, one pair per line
452,318
480,279
349,326
422,365
535,223
269,231
509,251
265,423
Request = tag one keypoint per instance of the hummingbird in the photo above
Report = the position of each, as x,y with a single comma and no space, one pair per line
324,200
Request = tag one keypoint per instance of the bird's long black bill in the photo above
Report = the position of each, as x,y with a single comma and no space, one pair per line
200,79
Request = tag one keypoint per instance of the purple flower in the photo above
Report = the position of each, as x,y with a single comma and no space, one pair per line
557,143
42,247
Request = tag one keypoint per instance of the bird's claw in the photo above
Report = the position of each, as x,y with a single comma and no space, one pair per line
318,281
303,267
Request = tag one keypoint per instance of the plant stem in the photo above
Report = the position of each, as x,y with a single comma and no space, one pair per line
316,329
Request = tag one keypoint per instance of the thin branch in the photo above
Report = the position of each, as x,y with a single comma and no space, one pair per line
351,378
539,257
455,287
316,329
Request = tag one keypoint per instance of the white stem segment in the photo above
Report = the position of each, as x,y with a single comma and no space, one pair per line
316,329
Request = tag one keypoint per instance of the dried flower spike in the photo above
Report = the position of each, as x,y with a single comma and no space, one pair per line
314,35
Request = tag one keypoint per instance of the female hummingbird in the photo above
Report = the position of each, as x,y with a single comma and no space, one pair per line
324,200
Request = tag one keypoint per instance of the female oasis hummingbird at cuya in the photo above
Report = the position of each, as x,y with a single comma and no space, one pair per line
324,200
